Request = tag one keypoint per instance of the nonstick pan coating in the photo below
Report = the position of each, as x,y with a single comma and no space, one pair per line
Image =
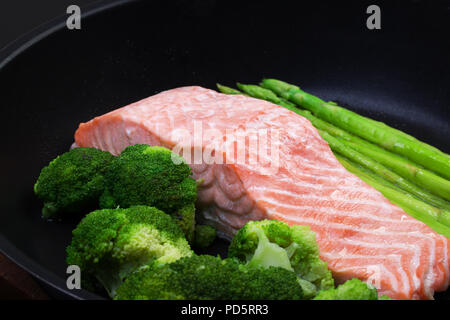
54,78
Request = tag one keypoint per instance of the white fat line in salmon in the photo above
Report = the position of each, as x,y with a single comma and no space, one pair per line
413,266
302,220
361,189
311,164
322,173
429,277
329,209
340,213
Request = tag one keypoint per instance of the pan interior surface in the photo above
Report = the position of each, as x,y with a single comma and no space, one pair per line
399,74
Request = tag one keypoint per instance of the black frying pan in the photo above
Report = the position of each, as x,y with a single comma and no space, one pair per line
53,79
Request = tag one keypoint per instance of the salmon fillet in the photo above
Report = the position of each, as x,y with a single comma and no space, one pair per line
291,176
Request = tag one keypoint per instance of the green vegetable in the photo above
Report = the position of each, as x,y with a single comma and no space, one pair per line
227,90
109,244
153,176
407,169
204,236
341,147
260,93
353,289
388,138
73,182
208,277
274,243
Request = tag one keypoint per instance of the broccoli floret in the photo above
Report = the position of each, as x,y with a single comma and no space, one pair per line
208,277
274,243
109,244
353,289
185,217
204,236
153,176
73,182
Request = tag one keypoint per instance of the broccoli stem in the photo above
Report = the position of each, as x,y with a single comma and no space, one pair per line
269,254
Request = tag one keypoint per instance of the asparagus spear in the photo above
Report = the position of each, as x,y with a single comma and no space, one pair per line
265,94
227,90
387,137
406,169
340,147
438,220
374,122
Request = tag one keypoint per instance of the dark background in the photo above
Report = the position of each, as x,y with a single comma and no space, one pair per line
20,16
399,75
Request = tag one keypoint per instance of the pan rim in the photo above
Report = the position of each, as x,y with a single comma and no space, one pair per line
7,54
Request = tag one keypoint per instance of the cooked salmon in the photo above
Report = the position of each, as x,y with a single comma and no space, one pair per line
288,174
